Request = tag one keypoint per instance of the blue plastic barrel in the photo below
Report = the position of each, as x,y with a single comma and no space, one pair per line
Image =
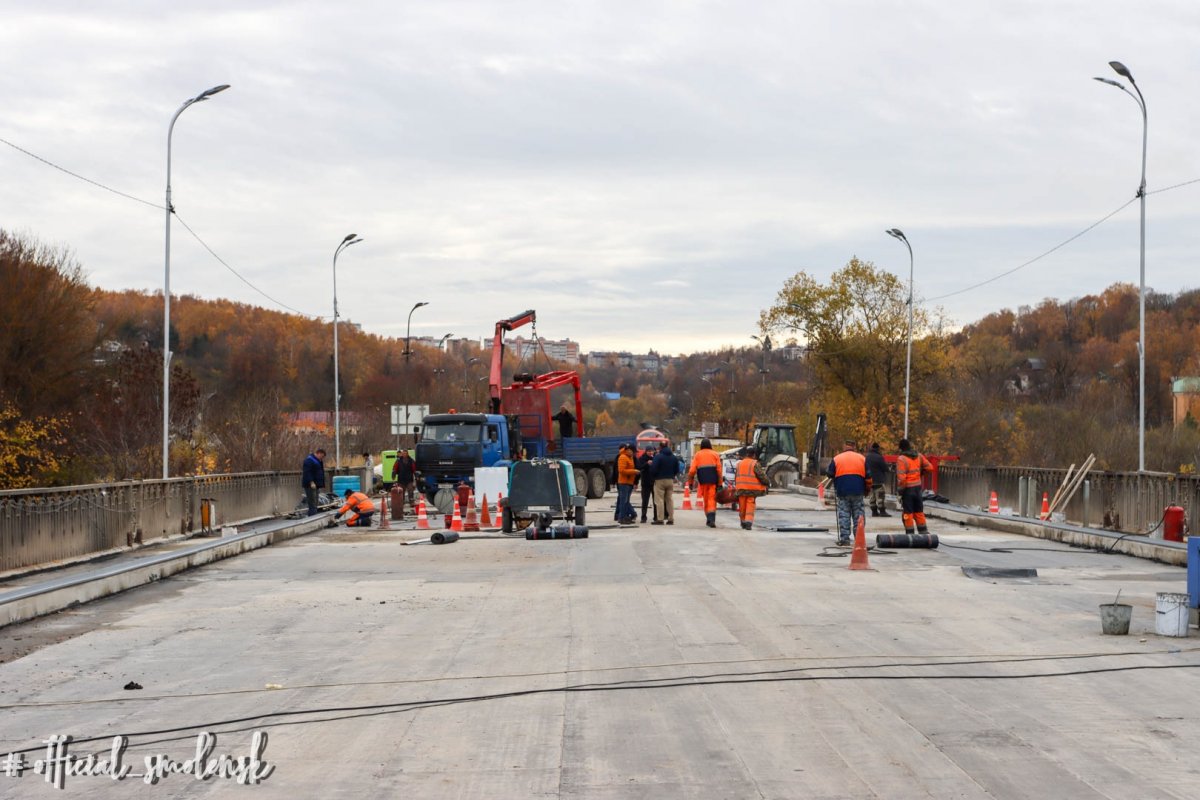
343,482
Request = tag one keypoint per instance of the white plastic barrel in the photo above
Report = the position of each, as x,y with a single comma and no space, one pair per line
1171,614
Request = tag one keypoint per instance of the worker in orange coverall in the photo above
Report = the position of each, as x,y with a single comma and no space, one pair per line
361,505
705,473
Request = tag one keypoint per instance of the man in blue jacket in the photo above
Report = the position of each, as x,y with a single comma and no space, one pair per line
664,469
312,478
851,482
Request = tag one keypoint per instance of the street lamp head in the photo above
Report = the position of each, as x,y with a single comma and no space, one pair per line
422,303
210,92
1121,70
349,236
896,233
1109,81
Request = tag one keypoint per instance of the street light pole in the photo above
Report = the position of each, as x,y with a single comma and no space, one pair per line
896,233
351,238
166,405
407,354
1124,72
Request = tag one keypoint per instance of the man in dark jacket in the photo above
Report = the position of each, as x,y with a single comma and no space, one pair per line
566,422
404,475
643,465
877,468
312,478
664,469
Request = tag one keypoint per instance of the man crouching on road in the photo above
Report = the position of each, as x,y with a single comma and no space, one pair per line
851,482
361,505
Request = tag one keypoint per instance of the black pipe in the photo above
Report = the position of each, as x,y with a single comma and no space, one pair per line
563,531
444,537
898,541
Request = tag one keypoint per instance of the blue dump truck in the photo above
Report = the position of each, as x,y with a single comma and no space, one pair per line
453,445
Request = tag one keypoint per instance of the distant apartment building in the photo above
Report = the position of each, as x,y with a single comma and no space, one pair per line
642,362
563,350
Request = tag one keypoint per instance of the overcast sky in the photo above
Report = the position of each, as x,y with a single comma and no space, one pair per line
643,174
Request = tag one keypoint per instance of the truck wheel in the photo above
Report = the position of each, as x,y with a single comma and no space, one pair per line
506,520
580,480
781,475
596,483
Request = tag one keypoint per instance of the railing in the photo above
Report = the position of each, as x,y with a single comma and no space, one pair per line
40,526
1123,501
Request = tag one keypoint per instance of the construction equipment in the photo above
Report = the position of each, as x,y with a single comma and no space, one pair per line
543,488
776,446
520,424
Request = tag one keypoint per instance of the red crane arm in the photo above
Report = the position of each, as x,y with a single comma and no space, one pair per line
495,379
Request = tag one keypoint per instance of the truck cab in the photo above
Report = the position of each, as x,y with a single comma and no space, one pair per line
453,445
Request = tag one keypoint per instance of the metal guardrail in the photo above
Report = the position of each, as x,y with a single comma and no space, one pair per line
1124,501
40,526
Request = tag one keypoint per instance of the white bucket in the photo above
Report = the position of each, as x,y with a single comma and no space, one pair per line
1171,614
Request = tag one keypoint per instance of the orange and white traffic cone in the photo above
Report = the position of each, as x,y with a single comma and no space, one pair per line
485,519
385,522
993,505
858,559
422,520
471,523
821,492
687,498
1045,506
456,523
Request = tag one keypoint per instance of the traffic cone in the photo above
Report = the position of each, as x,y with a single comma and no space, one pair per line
1045,506
385,522
687,498
456,523
422,520
821,493
858,559
471,523
485,519
993,505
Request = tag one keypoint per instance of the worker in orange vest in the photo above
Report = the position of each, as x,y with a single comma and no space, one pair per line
705,474
910,467
852,483
749,485
361,505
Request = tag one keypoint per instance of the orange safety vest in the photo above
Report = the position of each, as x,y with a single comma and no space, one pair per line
909,470
746,479
359,502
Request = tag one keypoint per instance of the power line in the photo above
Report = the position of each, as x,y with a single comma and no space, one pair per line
1059,246
195,235
97,184
1035,259
237,274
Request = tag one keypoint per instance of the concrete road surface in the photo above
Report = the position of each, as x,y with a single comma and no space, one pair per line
652,662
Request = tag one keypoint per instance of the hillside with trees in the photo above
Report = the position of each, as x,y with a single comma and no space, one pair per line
81,375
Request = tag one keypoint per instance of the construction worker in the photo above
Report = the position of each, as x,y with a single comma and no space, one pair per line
312,478
910,467
705,474
851,482
627,475
361,505
749,485
877,469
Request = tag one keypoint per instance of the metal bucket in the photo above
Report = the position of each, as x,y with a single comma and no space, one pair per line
1171,614
1114,618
